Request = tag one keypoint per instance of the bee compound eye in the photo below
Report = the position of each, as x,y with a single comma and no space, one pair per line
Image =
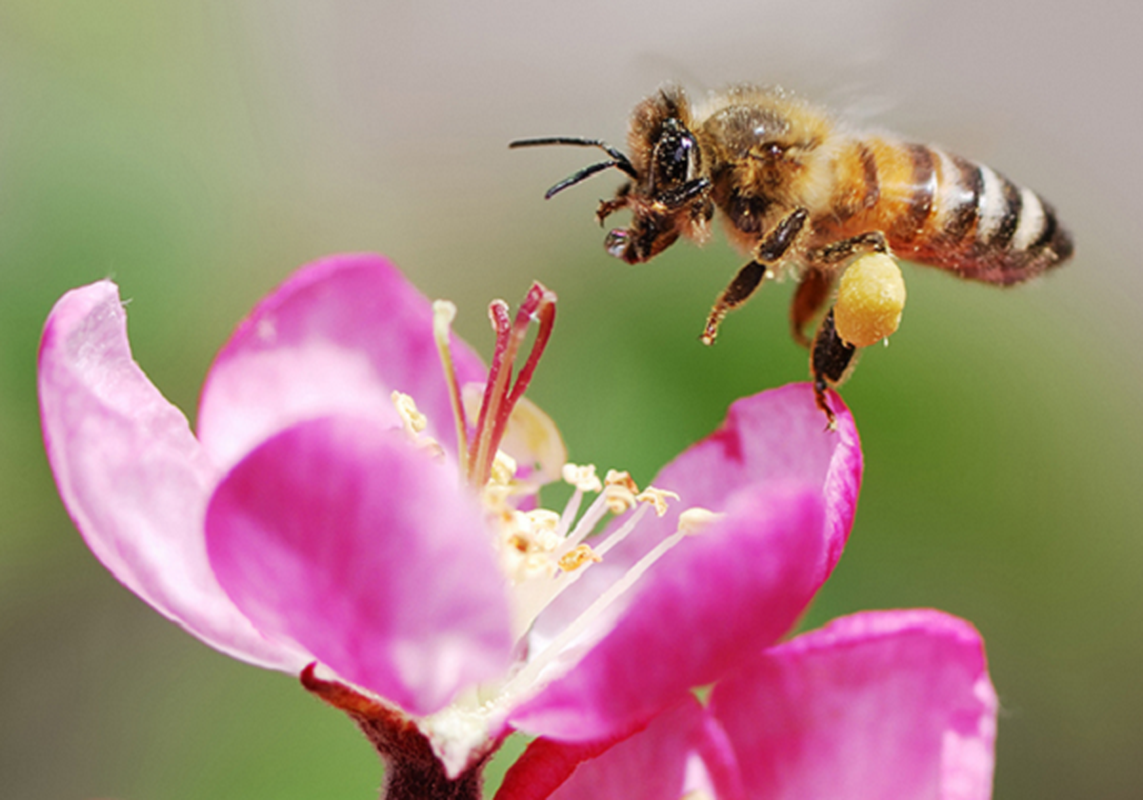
616,242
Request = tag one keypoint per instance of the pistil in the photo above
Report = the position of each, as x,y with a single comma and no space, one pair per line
500,394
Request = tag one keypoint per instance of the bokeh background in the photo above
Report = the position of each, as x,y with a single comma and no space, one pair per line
197,152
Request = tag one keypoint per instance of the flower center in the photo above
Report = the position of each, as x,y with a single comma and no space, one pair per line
542,552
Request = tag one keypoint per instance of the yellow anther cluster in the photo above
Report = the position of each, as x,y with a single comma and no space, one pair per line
503,469
696,520
413,420
870,299
657,498
620,490
414,423
530,539
582,477
577,557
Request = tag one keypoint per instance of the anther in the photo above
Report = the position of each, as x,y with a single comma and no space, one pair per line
656,498
503,469
414,421
575,559
620,490
582,477
696,520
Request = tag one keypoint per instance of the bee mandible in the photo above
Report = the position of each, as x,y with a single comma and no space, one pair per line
805,195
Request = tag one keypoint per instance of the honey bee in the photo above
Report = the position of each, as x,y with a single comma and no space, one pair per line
805,195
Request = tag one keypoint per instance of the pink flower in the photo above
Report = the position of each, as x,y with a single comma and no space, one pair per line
317,516
894,704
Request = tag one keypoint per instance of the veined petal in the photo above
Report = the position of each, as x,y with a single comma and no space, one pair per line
715,600
650,765
893,704
341,535
133,477
339,336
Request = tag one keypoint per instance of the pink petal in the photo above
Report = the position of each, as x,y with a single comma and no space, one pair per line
775,436
133,477
718,598
651,765
339,336
894,705
343,536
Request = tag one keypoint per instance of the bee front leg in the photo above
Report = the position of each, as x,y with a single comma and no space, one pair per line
768,252
831,359
745,283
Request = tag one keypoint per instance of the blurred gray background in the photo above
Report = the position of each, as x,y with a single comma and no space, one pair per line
198,152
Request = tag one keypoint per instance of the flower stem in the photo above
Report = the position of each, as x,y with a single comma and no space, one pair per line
412,769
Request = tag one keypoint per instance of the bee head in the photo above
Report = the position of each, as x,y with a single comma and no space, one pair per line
671,194
667,194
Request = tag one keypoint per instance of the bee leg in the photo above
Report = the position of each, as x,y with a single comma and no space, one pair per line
811,296
868,242
749,278
831,359
745,283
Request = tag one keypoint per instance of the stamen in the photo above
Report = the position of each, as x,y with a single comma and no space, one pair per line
657,498
620,490
696,520
413,419
582,477
503,469
622,532
586,524
528,675
414,423
581,555
444,313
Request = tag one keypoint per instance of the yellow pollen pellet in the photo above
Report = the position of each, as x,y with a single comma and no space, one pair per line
576,558
870,298
657,498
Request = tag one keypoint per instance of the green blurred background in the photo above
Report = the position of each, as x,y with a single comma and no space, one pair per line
198,152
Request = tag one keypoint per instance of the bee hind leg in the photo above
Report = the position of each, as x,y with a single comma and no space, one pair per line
809,299
831,360
836,252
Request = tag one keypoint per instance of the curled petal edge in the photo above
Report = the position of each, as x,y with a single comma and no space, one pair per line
133,477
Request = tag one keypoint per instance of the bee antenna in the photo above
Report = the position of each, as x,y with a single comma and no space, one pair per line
621,161
582,175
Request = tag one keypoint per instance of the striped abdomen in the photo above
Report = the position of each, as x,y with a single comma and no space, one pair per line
945,211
